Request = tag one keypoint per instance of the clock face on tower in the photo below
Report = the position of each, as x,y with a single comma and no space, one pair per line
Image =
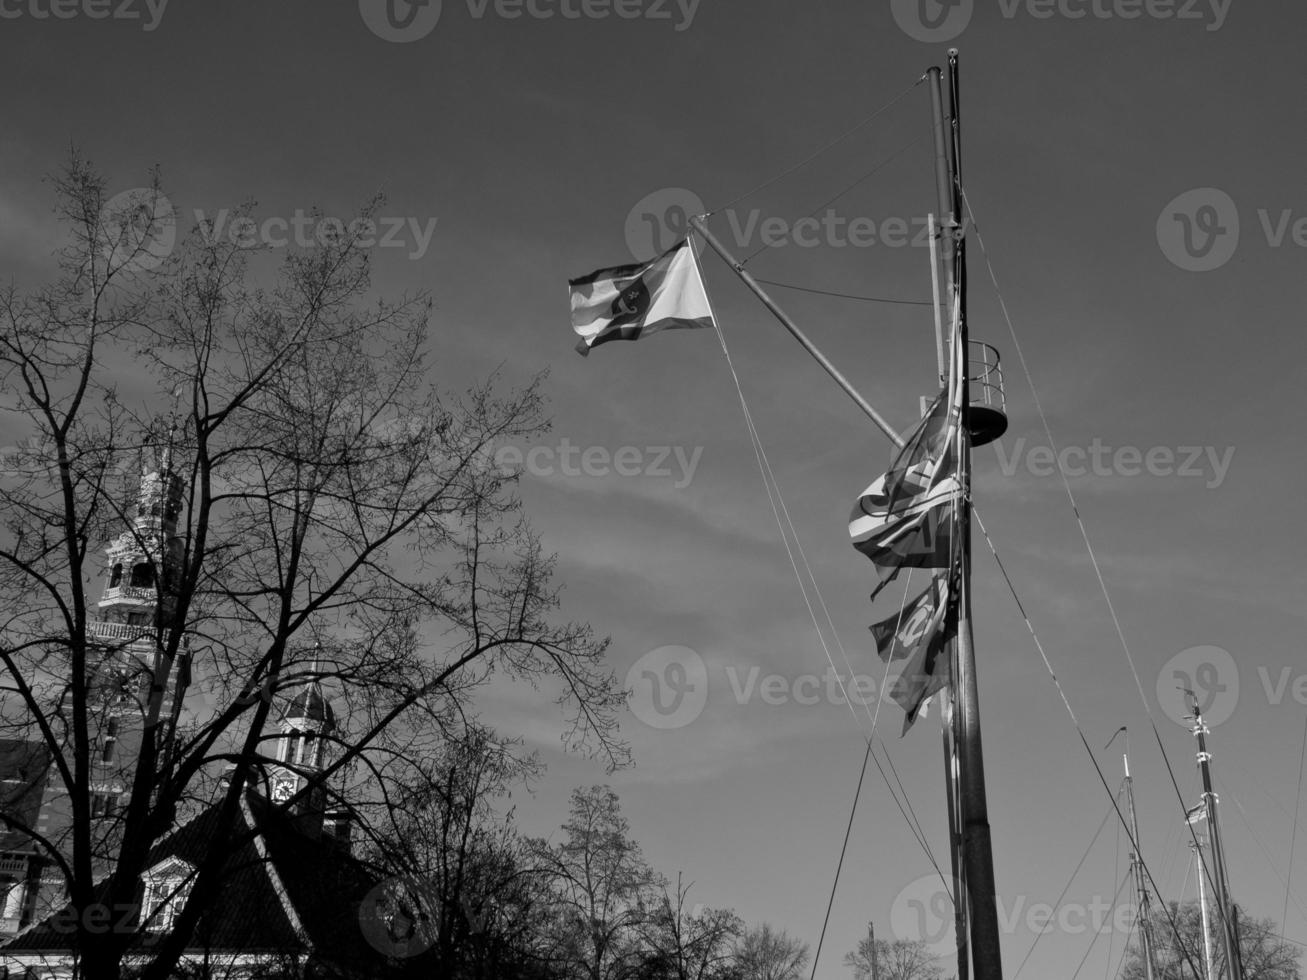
282,789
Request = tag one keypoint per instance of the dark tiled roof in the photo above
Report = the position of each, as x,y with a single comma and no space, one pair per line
322,883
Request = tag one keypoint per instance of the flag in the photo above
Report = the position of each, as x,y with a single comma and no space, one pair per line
905,518
929,669
632,301
898,637
1195,814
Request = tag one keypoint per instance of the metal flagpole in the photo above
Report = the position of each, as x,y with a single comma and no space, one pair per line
737,267
977,853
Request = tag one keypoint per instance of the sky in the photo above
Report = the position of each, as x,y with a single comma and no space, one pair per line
1135,172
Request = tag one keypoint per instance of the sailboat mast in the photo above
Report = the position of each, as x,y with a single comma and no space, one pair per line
1202,909
1137,866
977,853
1229,931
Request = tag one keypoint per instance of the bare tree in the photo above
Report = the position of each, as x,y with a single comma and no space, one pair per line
1178,948
605,891
764,953
315,489
899,959
689,943
478,904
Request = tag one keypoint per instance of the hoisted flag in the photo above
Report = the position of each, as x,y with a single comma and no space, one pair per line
899,636
922,634
905,518
631,301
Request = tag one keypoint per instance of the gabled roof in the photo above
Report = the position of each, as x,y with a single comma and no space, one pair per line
281,891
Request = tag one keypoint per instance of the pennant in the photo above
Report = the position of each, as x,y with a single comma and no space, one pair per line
632,301
929,667
898,637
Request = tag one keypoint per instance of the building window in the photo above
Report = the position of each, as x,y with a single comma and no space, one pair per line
287,748
104,803
142,575
166,888
311,749
116,576
139,619
108,740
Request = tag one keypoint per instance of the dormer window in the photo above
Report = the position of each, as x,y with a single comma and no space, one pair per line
167,886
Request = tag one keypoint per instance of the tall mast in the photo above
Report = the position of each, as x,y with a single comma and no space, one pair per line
1208,969
977,854
1224,907
1137,866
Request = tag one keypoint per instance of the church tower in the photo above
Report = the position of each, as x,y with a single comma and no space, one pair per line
136,608
301,747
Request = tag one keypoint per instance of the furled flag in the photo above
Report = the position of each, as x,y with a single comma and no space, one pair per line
922,635
632,301
905,518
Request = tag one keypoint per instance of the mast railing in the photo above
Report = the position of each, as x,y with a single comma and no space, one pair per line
985,372
986,399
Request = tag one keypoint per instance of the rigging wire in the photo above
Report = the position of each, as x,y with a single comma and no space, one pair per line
1111,934
1057,903
1120,963
774,495
779,508
1224,786
843,848
1115,898
1084,533
824,149
838,295
975,513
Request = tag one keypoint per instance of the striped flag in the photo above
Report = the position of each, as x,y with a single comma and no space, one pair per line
1196,814
631,301
922,635
905,518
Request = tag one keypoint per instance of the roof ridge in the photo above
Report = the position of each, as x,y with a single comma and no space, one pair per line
274,877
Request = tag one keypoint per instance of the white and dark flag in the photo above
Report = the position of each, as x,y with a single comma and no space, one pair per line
906,518
922,634
632,301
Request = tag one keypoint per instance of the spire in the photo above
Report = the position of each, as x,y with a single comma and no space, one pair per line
310,705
